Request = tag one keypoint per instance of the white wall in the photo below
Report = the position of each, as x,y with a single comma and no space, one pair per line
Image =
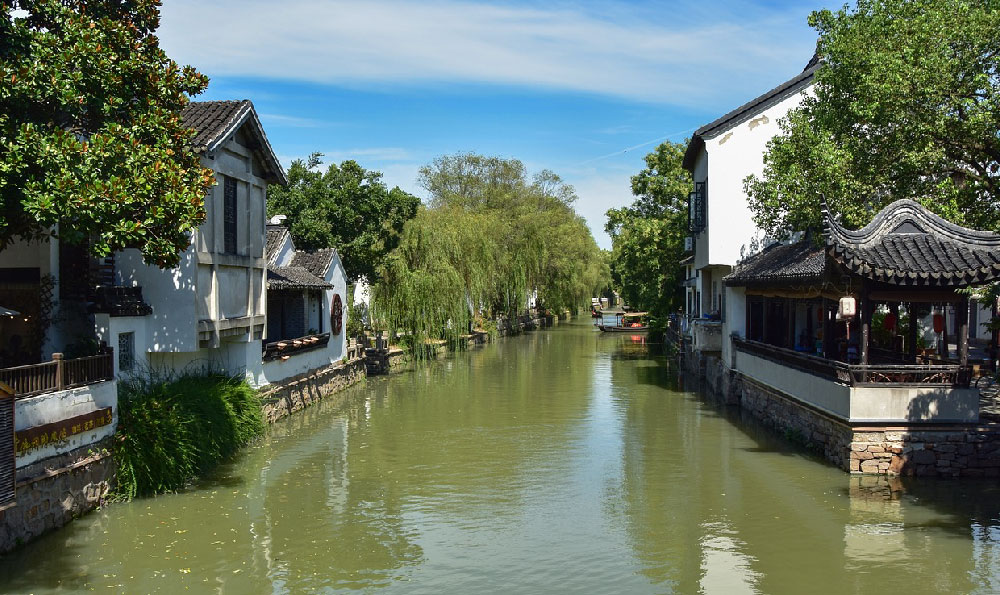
110,327
57,406
337,277
829,396
173,296
735,320
732,155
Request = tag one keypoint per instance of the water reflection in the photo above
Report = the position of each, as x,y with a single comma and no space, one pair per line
564,461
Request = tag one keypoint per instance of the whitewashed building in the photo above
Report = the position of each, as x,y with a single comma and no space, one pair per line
306,308
208,312
720,156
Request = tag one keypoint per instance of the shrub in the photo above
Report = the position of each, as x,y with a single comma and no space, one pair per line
172,431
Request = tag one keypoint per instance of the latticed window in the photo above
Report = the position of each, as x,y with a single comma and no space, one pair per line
126,352
696,208
229,215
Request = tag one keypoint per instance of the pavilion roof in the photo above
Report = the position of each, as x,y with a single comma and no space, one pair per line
801,261
905,244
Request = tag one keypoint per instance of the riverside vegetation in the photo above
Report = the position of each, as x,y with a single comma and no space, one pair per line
489,237
170,431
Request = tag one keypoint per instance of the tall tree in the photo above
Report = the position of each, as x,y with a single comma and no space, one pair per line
91,141
905,105
489,237
648,236
347,207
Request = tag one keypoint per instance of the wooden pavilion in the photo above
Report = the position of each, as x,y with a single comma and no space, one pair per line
908,260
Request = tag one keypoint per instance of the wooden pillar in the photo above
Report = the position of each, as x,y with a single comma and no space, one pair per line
943,352
911,312
962,322
827,330
866,324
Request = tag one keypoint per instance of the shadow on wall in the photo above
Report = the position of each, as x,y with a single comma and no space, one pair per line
952,405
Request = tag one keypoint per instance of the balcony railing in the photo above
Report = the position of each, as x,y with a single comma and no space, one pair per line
58,374
287,347
952,375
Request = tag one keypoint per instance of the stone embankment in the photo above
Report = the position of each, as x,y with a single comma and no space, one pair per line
54,491
955,450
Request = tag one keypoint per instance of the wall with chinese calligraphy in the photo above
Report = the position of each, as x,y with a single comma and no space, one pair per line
56,423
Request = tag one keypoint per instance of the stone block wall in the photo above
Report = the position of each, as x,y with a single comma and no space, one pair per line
959,451
55,491
298,392
810,428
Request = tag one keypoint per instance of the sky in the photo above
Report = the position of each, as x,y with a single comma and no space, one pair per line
585,89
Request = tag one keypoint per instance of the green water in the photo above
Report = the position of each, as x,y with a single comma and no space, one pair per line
564,461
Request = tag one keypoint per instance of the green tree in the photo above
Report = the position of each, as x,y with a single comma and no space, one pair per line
648,236
905,105
347,207
91,141
489,237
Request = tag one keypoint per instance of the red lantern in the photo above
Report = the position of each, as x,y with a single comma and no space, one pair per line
889,323
939,323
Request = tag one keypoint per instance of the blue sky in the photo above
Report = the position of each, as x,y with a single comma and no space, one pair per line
585,89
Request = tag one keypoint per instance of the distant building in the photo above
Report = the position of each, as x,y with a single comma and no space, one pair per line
306,308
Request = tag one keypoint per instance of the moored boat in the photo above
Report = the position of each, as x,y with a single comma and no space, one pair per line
626,322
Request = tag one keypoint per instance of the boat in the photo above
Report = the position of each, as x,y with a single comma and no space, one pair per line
626,322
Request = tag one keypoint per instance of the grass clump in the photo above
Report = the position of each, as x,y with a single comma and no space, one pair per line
172,431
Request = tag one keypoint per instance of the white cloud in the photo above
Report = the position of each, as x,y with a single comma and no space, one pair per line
681,59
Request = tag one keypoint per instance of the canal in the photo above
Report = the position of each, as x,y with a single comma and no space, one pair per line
563,461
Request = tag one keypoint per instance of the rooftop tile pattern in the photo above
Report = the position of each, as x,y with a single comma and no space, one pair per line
293,277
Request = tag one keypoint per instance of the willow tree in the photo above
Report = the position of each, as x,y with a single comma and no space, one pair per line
489,237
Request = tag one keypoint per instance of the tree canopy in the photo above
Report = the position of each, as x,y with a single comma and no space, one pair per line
906,104
347,207
91,139
648,236
489,238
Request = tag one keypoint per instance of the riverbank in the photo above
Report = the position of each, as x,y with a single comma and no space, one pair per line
953,450
564,461
56,490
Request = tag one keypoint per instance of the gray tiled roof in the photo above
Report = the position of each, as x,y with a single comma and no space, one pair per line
214,122
293,277
276,235
316,262
905,244
801,261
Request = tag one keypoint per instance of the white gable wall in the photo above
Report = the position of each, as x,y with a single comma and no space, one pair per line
729,157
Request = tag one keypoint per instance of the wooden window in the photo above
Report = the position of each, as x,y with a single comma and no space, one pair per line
229,215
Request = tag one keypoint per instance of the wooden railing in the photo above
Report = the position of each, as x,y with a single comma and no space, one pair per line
287,347
58,374
857,375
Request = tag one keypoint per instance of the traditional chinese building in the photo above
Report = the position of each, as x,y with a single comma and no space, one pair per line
794,353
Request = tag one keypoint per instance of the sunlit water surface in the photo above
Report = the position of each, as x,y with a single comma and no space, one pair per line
563,461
